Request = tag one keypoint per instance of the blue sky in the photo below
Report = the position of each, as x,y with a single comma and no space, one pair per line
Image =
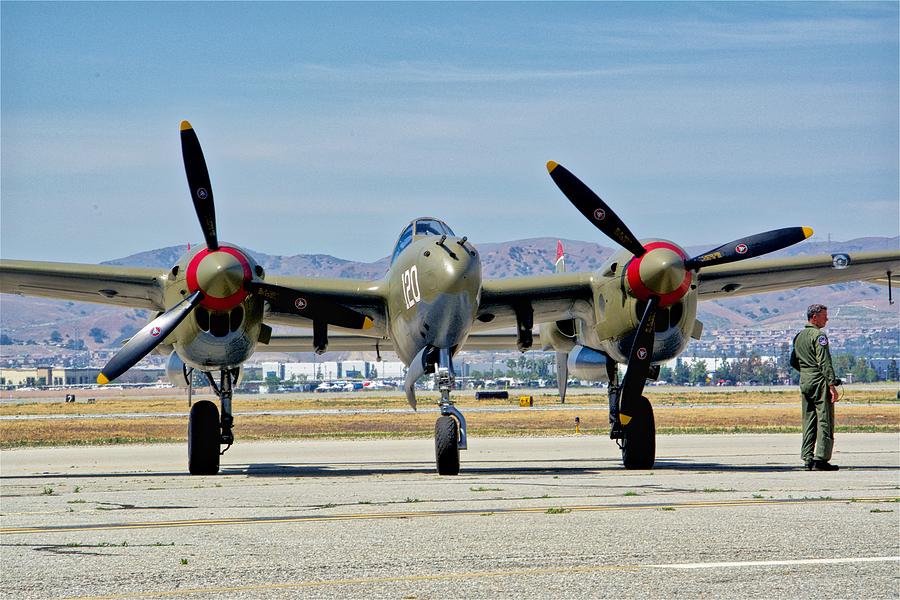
327,126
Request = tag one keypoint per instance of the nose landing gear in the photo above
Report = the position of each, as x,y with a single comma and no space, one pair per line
450,429
207,432
636,436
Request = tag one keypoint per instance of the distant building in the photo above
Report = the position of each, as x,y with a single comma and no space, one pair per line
272,369
390,370
67,376
331,370
81,376
300,371
27,377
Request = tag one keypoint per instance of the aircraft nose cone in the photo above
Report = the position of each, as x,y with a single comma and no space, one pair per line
662,270
220,274
456,263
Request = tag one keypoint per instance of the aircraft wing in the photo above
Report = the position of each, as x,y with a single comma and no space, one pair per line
552,297
362,343
336,343
766,275
367,297
133,287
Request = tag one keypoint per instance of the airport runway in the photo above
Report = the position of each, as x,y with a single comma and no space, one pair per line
719,516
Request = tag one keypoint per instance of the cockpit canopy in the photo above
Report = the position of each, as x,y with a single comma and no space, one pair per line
420,228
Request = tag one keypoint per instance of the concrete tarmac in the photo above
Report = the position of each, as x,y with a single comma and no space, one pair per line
731,516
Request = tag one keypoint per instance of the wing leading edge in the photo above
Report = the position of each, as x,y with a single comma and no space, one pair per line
767,275
552,297
132,287
365,296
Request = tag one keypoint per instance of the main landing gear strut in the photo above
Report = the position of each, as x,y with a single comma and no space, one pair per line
636,438
206,431
450,428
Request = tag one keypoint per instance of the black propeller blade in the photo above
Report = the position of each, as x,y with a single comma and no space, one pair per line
596,210
638,361
311,306
750,247
148,338
198,181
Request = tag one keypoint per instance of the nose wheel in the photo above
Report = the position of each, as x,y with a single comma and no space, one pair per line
203,439
450,429
636,438
446,448
207,432
638,441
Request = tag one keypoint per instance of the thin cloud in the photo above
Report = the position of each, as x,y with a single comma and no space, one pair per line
724,33
439,72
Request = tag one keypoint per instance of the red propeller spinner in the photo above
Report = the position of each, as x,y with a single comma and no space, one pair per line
221,275
661,272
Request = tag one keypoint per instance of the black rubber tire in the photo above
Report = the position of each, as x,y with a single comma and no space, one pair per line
446,448
203,439
639,441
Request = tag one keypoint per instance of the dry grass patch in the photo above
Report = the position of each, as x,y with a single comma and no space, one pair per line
514,423
133,402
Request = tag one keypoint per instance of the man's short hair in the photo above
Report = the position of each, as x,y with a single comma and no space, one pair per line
814,309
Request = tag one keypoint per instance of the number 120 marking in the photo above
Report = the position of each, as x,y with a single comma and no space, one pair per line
410,280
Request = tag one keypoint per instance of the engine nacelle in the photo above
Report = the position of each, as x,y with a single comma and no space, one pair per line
175,371
178,374
559,336
587,363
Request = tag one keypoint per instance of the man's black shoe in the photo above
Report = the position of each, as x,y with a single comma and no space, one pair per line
809,465
824,465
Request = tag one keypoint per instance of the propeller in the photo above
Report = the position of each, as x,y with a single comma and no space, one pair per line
603,218
638,361
312,306
220,277
660,272
750,247
199,184
148,338
593,208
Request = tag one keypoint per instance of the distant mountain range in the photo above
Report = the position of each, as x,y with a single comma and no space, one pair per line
862,305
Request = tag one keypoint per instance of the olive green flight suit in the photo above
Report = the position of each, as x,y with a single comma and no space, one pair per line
816,374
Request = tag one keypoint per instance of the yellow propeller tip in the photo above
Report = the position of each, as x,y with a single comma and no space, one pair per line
185,125
807,232
367,323
551,165
101,379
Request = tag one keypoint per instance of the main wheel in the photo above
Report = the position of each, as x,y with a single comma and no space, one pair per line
203,439
446,448
639,439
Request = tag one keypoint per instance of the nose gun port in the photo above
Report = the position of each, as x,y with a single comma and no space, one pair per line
441,243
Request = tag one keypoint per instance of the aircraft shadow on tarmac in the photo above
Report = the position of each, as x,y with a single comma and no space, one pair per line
368,469
485,468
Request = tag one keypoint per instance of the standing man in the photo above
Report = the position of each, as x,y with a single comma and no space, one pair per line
812,357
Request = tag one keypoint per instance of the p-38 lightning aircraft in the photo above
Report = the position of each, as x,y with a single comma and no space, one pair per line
216,307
